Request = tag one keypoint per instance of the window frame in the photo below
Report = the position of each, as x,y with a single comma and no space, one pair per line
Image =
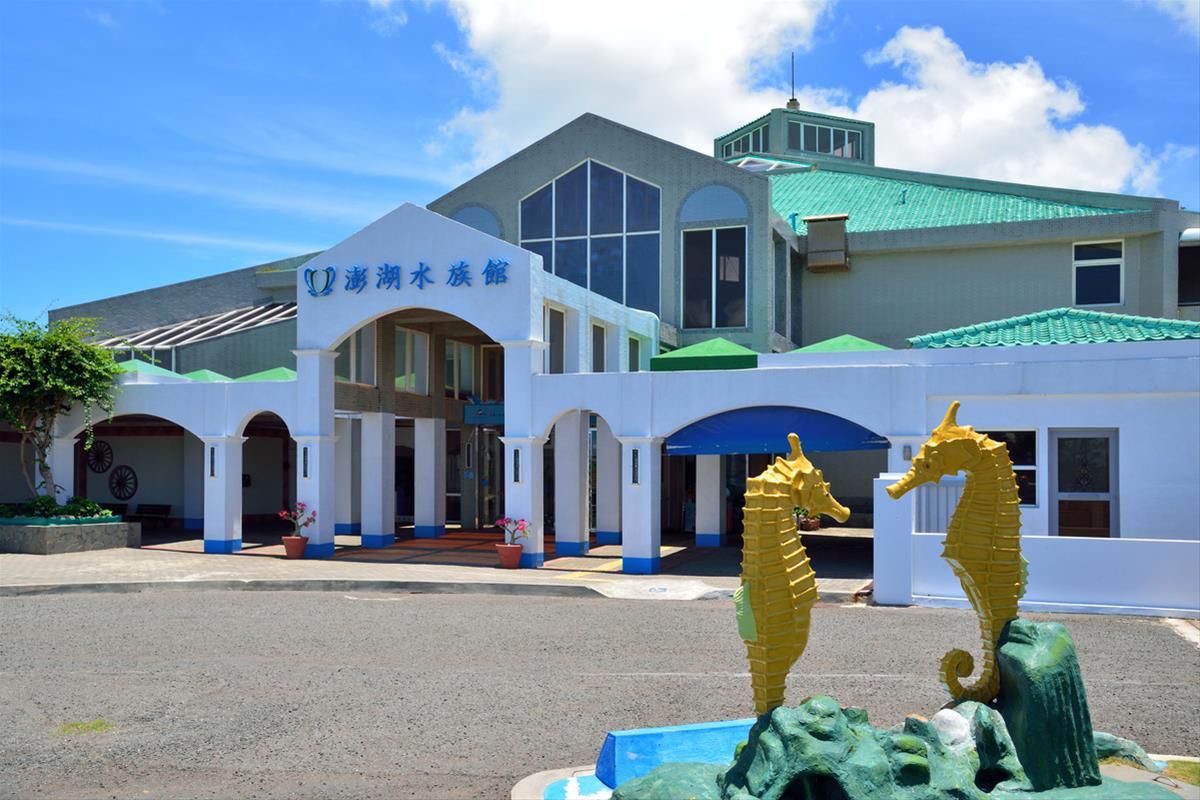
713,277
1097,262
1112,496
817,129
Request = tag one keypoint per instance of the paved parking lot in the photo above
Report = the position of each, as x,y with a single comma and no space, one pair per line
301,694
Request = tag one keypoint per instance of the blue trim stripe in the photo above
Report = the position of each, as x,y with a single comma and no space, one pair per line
709,540
429,531
378,539
193,523
533,560
322,550
347,528
608,537
222,545
570,548
639,566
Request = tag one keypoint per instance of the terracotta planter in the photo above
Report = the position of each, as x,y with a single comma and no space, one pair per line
293,546
510,555
809,523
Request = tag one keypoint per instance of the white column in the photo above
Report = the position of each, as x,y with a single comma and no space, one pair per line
893,546
62,468
641,504
344,522
193,482
429,493
710,502
523,492
571,485
608,485
378,479
316,459
222,470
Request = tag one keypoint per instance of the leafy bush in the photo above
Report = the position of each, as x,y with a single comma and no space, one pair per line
42,506
45,507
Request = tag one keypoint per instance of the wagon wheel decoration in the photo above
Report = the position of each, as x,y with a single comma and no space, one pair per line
100,457
123,482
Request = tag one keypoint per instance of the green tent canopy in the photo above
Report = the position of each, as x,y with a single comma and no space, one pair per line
274,374
145,368
845,343
710,354
205,375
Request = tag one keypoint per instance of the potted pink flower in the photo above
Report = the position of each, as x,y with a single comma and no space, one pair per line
510,551
301,518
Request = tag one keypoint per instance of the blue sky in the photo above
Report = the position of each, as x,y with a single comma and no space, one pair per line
143,143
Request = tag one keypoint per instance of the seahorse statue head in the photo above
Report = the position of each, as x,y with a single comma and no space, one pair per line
809,488
950,449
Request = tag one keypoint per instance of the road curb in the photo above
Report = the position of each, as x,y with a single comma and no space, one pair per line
313,585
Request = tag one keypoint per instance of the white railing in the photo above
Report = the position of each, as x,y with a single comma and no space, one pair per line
935,504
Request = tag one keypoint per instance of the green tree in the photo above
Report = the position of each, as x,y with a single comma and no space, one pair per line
46,371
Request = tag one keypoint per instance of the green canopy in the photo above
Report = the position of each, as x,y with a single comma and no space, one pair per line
275,374
845,343
145,368
205,375
710,354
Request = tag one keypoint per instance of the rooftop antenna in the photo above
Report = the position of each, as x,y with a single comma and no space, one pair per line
793,104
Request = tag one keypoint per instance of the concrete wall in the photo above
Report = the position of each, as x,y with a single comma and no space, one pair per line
158,462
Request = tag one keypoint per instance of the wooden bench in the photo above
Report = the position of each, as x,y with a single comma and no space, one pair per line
152,511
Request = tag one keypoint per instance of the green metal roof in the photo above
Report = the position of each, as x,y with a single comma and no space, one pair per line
145,368
1061,326
887,204
274,374
205,375
715,353
841,344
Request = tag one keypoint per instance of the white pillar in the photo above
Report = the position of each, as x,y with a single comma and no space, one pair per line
641,504
62,468
344,522
893,545
222,470
429,493
571,485
316,459
608,485
523,492
378,479
193,482
710,502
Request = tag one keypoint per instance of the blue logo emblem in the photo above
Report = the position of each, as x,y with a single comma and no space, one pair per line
320,281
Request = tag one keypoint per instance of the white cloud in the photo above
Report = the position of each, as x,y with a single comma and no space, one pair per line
1185,12
177,237
387,16
101,18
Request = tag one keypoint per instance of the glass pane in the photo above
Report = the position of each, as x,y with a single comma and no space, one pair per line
466,370
853,144
1022,445
823,140
607,277
535,215
608,189
364,366
810,138
766,138
731,278
839,142
558,332
570,203
401,338
1090,252
642,272
1098,285
727,151
543,249
1083,518
635,355
1026,486
744,143
420,350
1083,464
597,348
756,145
570,260
451,372
697,279
341,365
793,136
1189,276
641,206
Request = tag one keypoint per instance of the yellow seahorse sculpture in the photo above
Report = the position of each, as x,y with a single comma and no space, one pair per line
779,586
983,540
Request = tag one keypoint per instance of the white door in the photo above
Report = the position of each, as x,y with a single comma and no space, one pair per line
1083,483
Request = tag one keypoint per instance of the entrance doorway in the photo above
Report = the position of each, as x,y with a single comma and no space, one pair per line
1083,483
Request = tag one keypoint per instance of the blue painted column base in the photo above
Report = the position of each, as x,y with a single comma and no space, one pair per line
709,540
570,548
608,537
533,560
347,528
429,531
378,539
193,523
639,566
322,550
222,545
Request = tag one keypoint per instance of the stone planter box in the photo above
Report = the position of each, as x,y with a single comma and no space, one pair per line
47,539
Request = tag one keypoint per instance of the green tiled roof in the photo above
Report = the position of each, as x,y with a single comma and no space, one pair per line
715,353
1061,326
145,368
845,343
205,375
274,374
874,203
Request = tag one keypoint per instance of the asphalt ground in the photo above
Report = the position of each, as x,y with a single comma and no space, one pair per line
293,694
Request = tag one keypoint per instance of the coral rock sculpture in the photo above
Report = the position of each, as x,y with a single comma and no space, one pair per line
983,541
779,586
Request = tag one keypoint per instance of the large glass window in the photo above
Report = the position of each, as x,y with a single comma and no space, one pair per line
412,361
460,370
1022,451
812,138
556,334
599,228
635,355
714,278
599,335
1189,276
1098,268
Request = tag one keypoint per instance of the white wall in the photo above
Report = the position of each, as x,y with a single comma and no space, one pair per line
158,462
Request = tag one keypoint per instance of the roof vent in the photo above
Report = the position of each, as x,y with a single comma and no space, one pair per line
827,246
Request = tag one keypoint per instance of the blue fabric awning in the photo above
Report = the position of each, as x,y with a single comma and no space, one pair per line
764,429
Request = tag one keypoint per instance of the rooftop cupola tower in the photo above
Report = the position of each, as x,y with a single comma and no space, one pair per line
789,135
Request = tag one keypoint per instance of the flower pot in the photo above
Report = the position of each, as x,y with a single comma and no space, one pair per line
809,523
510,555
294,546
